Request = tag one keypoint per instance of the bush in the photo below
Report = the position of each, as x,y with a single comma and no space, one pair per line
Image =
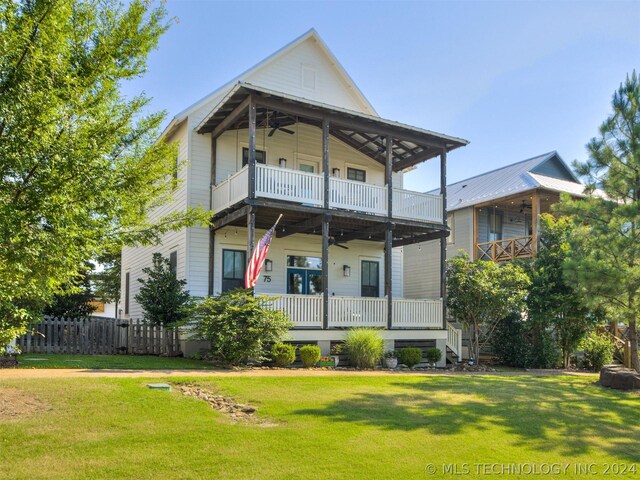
365,346
433,355
309,354
598,350
239,325
283,354
410,356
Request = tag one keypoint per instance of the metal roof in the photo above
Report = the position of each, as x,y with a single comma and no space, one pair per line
411,145
509,180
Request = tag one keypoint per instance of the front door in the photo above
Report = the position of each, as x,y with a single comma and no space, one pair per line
304,281
370,279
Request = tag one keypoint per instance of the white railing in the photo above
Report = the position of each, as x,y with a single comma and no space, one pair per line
291,185
409,313
454,340
307,188
231,190
358,196
303,310
357,312
414,205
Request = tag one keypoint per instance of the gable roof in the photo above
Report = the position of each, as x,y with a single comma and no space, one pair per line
310,34
512,179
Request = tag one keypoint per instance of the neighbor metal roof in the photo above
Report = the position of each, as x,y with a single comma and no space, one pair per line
506,181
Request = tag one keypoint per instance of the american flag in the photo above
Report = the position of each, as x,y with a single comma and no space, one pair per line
257,258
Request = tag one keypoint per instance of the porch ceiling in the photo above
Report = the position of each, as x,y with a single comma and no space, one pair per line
365,133
515,202
343,226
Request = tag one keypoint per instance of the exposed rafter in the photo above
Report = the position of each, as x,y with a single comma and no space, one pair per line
301,227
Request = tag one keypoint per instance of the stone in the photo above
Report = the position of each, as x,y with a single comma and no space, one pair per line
619,377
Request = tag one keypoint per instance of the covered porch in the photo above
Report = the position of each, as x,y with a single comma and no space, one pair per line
507,229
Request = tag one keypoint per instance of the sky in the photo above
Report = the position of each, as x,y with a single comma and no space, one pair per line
515,78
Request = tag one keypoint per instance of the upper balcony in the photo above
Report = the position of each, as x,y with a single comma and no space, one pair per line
306,188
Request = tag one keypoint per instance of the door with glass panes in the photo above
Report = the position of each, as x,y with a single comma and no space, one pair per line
304,275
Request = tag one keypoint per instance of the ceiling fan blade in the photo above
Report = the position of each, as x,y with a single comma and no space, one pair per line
273,130
286,130
341,246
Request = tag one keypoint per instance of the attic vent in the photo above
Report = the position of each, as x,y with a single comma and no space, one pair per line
308,77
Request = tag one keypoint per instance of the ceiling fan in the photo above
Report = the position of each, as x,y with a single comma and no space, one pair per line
333,241
274,124
524,206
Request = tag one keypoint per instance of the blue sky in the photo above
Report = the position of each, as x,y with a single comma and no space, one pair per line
515,78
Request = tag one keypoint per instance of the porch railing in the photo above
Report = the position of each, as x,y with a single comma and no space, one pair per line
454,340
305,311
307,189
505,250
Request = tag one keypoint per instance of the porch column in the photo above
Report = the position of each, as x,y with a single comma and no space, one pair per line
212,248
535,221
251,216
388,233
325,225
443,239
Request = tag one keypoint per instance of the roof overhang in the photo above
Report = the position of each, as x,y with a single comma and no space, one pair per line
365,133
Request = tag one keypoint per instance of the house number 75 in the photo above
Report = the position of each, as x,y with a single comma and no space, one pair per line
266,278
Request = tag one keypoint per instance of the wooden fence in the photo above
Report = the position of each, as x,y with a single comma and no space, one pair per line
99,336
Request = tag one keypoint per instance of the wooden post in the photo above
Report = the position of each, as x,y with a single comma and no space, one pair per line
251,216
474,242
443,239
212,182
388,233
212,250
325,225
535,221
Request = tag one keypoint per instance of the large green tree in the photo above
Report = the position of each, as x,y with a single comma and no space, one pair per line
604,262
553,302
80,164
481,293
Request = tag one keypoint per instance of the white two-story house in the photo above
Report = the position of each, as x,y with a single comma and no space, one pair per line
295,136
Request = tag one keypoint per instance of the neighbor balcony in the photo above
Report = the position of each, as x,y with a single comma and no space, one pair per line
307,189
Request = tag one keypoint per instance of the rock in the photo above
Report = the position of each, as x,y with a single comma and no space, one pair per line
619,377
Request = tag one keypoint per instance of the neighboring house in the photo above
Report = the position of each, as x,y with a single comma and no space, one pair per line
295,136
493,216
103,309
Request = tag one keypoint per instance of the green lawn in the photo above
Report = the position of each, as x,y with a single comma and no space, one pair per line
383,427
135,362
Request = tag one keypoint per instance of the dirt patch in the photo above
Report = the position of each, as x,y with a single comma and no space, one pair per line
8,362
237,412
15,404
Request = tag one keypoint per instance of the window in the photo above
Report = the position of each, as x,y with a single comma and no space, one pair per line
370,279
126,294
304,262
261,156
356,174
451,222
233,265
176,167
173,262
495,225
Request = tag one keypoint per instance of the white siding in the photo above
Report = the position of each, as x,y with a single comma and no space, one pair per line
422,260
305,144
309,245
134,259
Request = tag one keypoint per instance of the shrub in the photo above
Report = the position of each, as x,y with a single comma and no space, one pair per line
410,356
309,354
391,354
239,325
433,355
598,350
365,346
283,354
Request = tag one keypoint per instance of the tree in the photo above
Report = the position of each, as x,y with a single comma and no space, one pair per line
604,261
481,293
81,168
106,283
74,301
162,296
239,325
553,302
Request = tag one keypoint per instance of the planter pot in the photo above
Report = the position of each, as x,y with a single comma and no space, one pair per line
336,359
8,361
391,363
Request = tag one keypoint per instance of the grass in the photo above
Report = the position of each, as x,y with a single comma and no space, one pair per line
133,362
384,427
